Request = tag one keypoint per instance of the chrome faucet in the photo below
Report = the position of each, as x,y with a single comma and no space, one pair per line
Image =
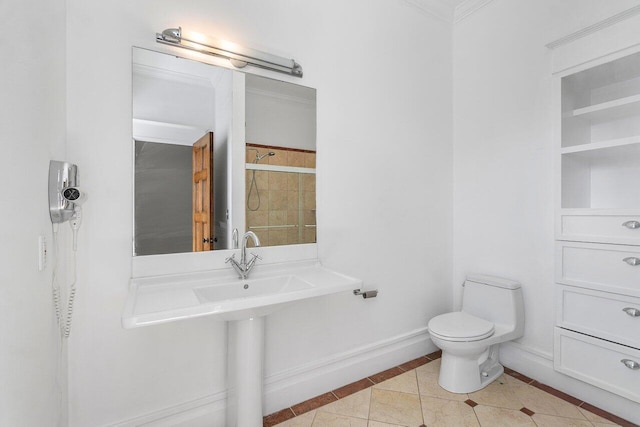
243,267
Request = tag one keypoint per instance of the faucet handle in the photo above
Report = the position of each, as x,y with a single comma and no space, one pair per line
229,259
252,262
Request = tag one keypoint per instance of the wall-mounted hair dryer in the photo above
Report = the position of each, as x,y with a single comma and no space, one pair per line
65,199
63,190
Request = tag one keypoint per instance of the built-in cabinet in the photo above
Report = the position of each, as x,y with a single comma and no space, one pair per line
597,334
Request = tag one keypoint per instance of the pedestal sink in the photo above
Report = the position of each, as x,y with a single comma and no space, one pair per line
242,302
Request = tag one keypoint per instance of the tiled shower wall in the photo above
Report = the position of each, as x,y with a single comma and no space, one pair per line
281,206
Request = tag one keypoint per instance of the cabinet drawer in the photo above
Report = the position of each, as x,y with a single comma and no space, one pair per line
603,228
605,315
602,267
598,362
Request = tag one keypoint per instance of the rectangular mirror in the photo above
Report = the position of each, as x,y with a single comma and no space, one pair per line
184,113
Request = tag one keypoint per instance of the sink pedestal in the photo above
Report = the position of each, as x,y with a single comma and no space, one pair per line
245,373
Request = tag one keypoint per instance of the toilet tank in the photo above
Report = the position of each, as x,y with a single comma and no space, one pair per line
495,299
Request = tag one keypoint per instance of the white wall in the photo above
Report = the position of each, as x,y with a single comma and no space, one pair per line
275,117
32,130
503,149
383,74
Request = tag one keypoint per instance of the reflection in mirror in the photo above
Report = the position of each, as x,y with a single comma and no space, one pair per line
183,112
281,199
181,131
163,198
280,161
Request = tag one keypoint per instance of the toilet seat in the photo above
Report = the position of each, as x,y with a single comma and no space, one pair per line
460,326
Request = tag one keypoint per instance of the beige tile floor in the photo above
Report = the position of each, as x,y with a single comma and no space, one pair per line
414,399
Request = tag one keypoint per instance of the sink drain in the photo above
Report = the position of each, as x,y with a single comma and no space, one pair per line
246,286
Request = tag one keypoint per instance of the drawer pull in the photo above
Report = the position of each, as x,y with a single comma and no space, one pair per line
631,225
632,260
633,312
631,364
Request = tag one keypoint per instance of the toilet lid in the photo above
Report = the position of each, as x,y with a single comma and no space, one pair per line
460,326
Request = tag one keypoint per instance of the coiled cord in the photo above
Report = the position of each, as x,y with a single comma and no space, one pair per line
64,319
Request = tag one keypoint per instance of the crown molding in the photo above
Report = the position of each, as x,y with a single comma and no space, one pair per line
439,9
612,20
170,75
467,8
280,96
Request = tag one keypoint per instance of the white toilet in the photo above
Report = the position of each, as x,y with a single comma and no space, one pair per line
492,313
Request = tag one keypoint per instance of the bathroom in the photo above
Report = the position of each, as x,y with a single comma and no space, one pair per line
435,136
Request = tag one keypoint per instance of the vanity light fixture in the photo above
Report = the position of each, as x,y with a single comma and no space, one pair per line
238,56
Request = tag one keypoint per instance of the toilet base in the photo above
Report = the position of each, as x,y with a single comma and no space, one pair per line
464,375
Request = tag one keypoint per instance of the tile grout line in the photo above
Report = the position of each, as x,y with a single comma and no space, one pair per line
476,415
369,408
415,373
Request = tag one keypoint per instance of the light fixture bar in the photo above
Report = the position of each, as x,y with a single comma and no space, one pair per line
239,56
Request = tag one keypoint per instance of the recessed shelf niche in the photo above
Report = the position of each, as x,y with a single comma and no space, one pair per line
602,178
600,146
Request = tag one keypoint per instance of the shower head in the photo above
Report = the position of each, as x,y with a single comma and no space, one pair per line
260,157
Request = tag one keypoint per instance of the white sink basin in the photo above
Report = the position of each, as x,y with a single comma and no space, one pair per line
249,288
154,300
240,299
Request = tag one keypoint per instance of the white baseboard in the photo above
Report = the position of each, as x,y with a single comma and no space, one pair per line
295,385
538,365
204,412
